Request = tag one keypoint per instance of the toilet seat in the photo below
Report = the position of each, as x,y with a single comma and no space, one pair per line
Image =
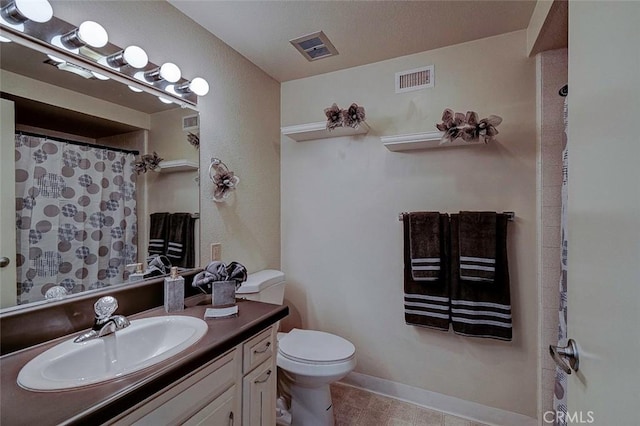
315,347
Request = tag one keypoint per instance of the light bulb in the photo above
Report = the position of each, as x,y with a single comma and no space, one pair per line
134,89
92,34
132,56
34,10
165,100
56,59
199,86
99,76
4,40
170,72
89,33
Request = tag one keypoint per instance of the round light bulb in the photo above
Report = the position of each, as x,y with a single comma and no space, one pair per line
35,10
165,100
99,76
170,72
92,34
135,57
199,86
56,59
134,89
4,40
19,27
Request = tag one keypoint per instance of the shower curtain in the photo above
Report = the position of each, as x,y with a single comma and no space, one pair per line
560,391
75,216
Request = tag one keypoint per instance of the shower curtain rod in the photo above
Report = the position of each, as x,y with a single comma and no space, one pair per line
72,142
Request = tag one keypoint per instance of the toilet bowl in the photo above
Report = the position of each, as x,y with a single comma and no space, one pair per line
310,360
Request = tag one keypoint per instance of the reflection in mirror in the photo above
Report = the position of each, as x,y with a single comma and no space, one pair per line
82,213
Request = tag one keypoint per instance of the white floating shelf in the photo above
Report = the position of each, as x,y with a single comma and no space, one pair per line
309,131
421,141
178,166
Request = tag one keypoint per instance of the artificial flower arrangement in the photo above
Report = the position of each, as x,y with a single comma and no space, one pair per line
147,162
467,127
223,179
350,117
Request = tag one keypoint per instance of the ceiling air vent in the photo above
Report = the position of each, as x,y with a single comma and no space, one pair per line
314,46
416,79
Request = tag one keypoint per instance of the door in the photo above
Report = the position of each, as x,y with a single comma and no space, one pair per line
7,211
604,212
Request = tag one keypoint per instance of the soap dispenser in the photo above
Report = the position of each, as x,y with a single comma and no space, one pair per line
174,291
138,274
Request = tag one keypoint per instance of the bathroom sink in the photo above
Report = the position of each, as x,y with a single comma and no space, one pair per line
144,343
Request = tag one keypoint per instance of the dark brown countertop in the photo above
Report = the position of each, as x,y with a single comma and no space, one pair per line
99,403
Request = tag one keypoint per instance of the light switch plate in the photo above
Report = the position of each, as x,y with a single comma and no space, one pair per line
216,251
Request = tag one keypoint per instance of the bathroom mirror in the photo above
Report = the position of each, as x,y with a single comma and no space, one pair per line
63,112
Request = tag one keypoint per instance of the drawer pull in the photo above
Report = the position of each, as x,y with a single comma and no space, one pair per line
268,373
231,418
261,351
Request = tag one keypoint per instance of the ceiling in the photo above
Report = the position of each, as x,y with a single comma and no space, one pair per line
363,31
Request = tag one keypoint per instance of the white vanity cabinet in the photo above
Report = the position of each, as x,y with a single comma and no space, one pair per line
238,387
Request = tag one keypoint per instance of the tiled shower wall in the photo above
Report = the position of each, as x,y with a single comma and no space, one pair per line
553,75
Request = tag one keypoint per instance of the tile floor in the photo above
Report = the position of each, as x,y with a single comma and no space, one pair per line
357,407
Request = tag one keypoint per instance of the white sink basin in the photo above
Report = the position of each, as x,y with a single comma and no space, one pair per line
144,343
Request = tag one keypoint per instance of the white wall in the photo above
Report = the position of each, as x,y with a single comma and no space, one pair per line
239,120
341,238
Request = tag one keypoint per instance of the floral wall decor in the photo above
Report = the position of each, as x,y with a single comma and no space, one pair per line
194,140
350,117
223,179
147,162
467,127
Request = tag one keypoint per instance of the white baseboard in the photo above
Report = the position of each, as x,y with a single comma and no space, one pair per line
439,402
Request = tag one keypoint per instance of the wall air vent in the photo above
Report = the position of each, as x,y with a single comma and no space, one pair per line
415,79
191,122
314,46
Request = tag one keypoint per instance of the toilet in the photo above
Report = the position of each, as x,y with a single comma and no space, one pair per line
311,360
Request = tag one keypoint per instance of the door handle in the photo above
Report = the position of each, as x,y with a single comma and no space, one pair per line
570,352
4,261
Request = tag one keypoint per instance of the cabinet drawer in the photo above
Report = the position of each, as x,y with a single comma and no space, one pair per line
175,404
222,411
257,349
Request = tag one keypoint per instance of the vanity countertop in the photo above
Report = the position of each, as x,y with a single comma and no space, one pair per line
98,403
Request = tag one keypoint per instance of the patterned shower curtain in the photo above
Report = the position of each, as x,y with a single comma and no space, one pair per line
560,391
75,216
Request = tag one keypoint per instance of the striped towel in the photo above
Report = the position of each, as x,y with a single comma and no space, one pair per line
424,236
477,242
158,227
426,288
481,310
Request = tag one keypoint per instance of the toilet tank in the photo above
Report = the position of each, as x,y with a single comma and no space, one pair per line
263,286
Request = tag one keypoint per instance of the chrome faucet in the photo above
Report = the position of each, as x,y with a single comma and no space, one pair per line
105,322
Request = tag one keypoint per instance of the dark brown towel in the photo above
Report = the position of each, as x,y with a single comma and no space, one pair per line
477,308
158,228
426,303
424,236
180,239
477,239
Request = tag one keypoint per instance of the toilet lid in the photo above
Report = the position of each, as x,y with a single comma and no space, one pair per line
315,346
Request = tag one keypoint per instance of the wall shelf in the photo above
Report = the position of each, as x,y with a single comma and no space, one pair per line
178,166
420,141
310,131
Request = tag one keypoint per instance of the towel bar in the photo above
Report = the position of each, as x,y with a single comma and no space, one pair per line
511,216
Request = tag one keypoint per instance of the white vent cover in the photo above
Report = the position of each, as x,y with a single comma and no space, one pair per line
314,46
415,79
191,122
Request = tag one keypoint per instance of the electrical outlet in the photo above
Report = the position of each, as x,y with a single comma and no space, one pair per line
216,251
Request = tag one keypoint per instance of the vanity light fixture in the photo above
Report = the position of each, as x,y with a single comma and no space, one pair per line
198,85
89,33
133,56
168,72
17,12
